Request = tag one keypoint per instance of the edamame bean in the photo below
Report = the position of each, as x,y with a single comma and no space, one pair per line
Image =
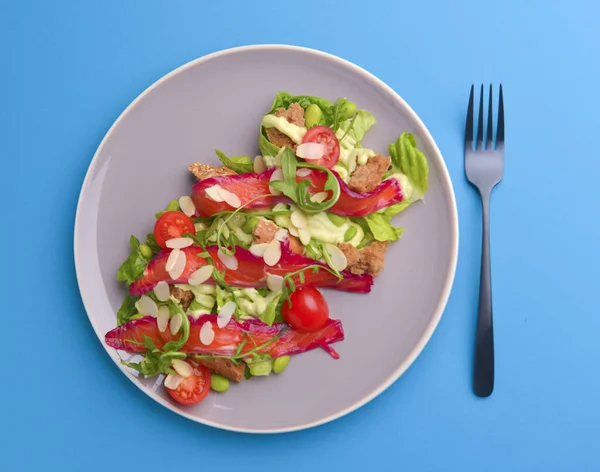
350,233
219,383
146,251
136,317
250,224
312,115
336,219
348,109
280,364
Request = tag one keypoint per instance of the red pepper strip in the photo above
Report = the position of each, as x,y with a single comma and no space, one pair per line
250,185
227,339
251,272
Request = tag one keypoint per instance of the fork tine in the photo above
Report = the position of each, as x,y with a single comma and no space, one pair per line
480,122
490,124
469,125
500,132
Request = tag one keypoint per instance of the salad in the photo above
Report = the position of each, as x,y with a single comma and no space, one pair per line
227,286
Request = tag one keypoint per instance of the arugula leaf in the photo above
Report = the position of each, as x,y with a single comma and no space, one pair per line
151,243
127,309
133,267
411,162
240,164
174,308
298,192
358,126
172,206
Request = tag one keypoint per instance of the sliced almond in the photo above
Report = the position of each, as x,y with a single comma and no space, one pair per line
281,234
179,267
187,205
293,230
276,175
258,249
172,260
272,253
231,198
274,282
162,291
214,193
298,219
179,243
259,164
304,235
176,323
338,258
225,314
311,151
173,381
303,172
201,275
228,260
162,320
207,334
319,197
147,306
182,368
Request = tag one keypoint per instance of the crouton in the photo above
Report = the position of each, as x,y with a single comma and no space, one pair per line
366,178
368,260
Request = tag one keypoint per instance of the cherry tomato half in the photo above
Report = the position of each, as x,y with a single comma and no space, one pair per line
172,224
309,310
192,389
326,136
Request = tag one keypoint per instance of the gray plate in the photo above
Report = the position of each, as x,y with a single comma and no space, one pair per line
217,102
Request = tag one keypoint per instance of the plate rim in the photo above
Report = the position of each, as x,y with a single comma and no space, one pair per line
444,177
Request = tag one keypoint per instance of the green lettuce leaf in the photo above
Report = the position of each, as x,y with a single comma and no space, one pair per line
407,159
381,228
133,267
271,312
359,125
284,100
239,164
151,243
266,148
127,310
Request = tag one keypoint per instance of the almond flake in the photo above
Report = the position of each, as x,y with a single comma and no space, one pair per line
272,253
274,282
293,230
207,335
319,197
225,314
259,164
304,235
276,175
258,249
338,258
179,267
182,368
228,260
231,198
187,205
172,260
162,291
309,151
147,306
179,243
303,172
176,323
298,219
162,319
281,234
173,381
201,275
214,193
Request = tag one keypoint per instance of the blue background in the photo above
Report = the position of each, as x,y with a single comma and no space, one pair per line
69,68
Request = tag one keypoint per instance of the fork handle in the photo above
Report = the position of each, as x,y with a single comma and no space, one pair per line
483,376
